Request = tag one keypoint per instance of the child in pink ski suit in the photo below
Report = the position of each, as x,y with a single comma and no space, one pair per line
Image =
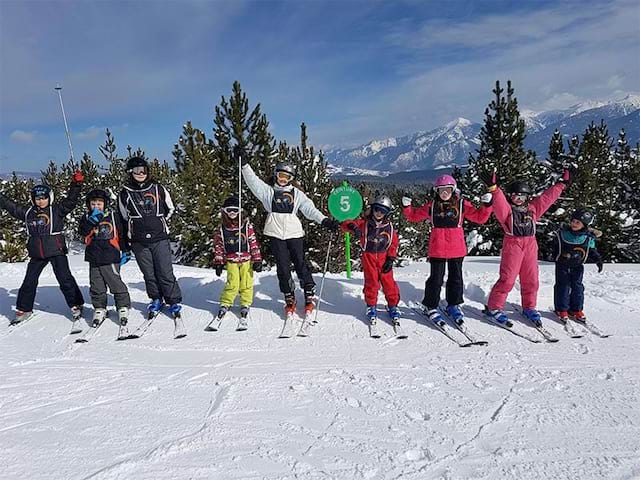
518,217
447,246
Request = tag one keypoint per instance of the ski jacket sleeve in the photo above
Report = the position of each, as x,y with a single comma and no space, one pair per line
419,214
123,240
308,209
476,215
218,249
393,248
542,203
168,202
594,254
14,209
124,215
254,246
358,222
69,203
501,208
84,227
258,187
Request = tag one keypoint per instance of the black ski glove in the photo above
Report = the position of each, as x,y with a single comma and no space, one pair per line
388,264
239,155
490,180
357,233
219,269
600,266
257,266
330,224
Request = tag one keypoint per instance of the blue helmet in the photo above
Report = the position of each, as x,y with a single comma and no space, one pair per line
41,191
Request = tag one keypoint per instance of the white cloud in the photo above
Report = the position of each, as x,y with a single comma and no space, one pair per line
22,136
89,133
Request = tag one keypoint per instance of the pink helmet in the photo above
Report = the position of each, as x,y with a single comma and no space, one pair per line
446,181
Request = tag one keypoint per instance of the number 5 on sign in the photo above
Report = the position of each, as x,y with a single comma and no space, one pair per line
345,203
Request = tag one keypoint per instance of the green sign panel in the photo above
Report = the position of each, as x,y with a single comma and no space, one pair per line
345,203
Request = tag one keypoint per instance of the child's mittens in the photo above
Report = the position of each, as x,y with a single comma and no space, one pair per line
257,266
406,201
219,269
388,264
600,266
353,228
95,217
487,199
124,257
77,177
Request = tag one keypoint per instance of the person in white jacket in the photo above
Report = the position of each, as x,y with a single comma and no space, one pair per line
282,201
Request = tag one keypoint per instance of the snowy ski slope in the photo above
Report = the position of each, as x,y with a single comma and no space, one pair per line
336,405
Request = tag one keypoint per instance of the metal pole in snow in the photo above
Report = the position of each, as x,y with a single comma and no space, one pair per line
58,88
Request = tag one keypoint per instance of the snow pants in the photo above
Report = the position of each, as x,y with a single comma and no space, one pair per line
286,252
154,260
239,280
519,258
433,285
568,292
68,285
103,276
374,278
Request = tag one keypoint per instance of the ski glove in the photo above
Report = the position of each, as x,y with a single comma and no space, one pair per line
219,269
77,177
95,217
357,233
566,176
330,224
406,202
487,199
600,266
388,264
124,258
257,266
240,155
490,180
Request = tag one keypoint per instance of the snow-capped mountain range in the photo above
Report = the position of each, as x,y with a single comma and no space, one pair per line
451,144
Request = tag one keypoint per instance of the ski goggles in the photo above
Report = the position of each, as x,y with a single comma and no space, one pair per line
231,211
139,170
381,209
519,196
444,188
284,176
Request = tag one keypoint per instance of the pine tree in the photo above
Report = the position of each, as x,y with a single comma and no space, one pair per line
13,234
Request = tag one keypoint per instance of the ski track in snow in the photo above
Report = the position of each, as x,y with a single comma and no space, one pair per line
335,405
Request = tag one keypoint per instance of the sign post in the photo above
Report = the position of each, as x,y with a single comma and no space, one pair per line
345,203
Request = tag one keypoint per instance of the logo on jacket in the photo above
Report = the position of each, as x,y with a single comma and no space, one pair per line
105,229
285,199
148,202
42,220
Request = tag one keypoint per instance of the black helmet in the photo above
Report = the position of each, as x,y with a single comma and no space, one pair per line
98,194
287,167
41,191
231,201
383,202
137,162
519,187
585,216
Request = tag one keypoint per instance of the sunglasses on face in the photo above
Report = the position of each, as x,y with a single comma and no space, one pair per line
380,209
231,211
139,170
519,196
284,176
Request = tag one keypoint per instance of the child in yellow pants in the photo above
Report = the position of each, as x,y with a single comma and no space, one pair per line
236,247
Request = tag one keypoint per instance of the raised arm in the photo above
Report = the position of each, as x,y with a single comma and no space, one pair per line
419,214
71,200
12,207
477,215
542,203
258,187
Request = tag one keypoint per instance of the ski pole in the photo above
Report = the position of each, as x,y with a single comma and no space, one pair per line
324,275
240,204
58,88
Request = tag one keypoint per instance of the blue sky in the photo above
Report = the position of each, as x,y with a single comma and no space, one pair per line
353,71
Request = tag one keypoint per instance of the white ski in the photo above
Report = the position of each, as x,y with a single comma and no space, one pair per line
178,331
243,324
144,326
398,330
442,326
464,329
591,327
512,329
214,325
571,328
289,326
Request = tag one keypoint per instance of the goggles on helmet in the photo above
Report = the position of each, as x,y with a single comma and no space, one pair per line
284,176
381,209
139,170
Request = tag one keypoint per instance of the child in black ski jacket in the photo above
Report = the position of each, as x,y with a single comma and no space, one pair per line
44,220
106,251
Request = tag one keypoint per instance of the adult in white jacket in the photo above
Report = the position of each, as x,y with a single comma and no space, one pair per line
282,201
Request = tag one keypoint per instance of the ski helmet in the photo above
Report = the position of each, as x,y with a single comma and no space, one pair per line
519,187
383,203
231,201
41,191
98,194
585,216
286,167
446,181
137,162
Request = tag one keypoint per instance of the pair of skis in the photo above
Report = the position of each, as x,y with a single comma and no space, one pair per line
577,328
297,326
398,330
447,330
215,324
179,330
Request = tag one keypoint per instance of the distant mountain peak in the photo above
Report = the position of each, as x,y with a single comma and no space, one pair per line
458,122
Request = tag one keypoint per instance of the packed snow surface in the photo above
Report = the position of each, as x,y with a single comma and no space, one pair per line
336,405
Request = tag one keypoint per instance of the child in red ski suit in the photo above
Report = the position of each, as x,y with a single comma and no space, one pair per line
519,257
447,246
379,242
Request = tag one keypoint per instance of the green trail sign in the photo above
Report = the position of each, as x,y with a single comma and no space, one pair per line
345,203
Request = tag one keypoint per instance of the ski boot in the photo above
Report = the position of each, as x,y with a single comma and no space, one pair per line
533,316
578,316
309,301
98,317
455,314
76,312
435,317
244,311
498,316
175,309
22,317
394,313
222,311
289,303
372,313
153,309
123,317
244,317
562,315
